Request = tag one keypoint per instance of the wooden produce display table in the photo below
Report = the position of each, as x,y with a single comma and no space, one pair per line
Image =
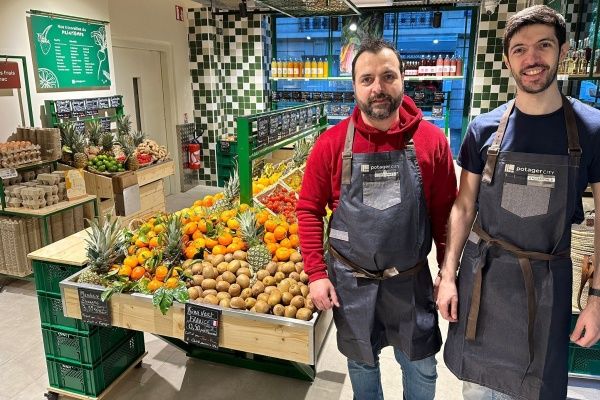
292,340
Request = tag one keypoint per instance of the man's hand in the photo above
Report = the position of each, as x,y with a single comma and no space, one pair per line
589,320
446,297
323,294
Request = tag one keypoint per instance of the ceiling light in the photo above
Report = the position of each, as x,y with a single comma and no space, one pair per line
435,41
353,27
308,38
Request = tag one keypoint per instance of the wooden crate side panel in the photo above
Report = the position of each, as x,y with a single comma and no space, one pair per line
155,172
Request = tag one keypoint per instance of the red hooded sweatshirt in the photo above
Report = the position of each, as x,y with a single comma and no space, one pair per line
322,178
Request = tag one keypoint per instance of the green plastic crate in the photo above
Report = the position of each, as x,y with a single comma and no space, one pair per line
226,161
52,315
48,275
83,348
582,360
91,380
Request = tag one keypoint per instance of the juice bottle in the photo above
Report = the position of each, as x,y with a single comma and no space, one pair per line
307,70
320,68
439,66
459,66
325,68
314,72
290,68
452,66
296,68
279,68
446,65
274,68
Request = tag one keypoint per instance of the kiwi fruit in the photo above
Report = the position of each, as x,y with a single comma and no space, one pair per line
263,296
303,277
199,300
262,307
274,298
209,291
244,271
228,257
269,281
245,264
257,288
197,269
297,301
290,311
309,304
286,298
222,286
237,302
234,289
250,302
278,310
299,267
209,284
239,255
233,266
304,314
222,267
208,272
243,281
288,268
262,274
295,276
279,276
295,257
269,289
219,278
247,292
223,295
295,289
283,286
228,277
224,303
271,267
209,258
218,259
193,292
211,299
304,290
291,281
197,280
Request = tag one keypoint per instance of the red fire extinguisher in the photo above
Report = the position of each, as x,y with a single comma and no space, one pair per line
194,154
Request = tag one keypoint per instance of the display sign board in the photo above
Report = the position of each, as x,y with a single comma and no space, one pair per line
93,309
9,75
8,173
69,54
75,184
202,326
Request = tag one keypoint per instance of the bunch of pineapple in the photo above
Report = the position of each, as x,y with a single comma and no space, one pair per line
104,243
258,255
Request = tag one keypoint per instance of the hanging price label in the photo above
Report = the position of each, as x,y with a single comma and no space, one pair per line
7,173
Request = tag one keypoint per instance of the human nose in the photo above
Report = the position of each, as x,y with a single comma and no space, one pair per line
376,86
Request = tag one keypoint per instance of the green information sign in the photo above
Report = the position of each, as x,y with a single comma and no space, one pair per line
69,54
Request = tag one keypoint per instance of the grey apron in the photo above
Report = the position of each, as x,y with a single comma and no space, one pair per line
379,239
515,275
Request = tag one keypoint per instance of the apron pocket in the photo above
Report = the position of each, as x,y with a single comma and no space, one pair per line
382,194
524,200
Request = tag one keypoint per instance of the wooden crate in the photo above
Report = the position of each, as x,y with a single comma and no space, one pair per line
268,335
152,201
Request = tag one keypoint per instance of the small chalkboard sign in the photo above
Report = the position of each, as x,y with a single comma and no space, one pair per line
103,103
225,146
115,101
93,309
78,105
202,326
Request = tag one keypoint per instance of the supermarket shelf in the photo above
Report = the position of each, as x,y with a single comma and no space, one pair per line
46,211
434,118
349,78
564,77
33,165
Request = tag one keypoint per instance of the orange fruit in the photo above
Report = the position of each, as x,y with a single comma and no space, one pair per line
294,240
283,223
143,256
131,249
154,284
219,249
286,243
131,261
202,226
244,207
280,232
141,243
233,223
293,229
210,243
153,242
198,203
199,243
159,228
161,273
270,238
262,217
137,273
233,247
282,254
172,282
272,247
150,235
125,270
225,238
270,225
190,252
208,200
190,228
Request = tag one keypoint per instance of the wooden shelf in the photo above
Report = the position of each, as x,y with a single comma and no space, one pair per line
70,250
45,211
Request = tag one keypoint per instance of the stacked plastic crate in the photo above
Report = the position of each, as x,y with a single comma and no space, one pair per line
81,358
226,159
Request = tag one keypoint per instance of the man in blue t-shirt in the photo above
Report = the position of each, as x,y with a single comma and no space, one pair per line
525,167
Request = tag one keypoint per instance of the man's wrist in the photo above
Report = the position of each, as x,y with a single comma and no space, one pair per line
594,292
447,273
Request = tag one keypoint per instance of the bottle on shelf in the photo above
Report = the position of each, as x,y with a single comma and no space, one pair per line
300,65
320,68
446,66
296,65
439,66
325,68
314,73
452,66
279,68
290,68
422,66
274,68
307,68
459,66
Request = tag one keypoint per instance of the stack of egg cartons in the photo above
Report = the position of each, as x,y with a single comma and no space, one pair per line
15,246
50,184
33,197
13,154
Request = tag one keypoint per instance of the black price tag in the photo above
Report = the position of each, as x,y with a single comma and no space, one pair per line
105,124
437,111
103,103
115,101
63,106
93,309
225,145
201,326
91,105
438,97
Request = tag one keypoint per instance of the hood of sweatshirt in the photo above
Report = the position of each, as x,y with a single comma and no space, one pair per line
410,117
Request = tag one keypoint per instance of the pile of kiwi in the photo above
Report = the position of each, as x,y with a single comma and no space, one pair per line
281,288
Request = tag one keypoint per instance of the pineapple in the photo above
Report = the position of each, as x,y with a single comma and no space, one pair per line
301,151
78,147
258,255
67,135
94,132
106,141
128,148
89,276
172,238
230,193
103,244
123,125
138,138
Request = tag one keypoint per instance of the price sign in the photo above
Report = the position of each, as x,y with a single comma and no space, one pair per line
202,326
93,309
8,173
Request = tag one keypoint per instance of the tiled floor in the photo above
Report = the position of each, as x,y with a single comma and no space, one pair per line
167,373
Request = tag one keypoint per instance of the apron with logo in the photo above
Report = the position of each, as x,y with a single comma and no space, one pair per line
514,282
379,240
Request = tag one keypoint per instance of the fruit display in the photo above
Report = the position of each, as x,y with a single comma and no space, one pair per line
293,180
280,201
154,150
105,164
13,154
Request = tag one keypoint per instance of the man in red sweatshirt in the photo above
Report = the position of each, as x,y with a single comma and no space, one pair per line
388,176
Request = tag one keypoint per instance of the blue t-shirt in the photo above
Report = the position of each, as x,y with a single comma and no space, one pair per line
541,134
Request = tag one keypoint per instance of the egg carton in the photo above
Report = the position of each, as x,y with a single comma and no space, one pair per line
60,174
13,202
62,194
34,236
49,189
12,181
34,204
15,246
53,199
27,176
32,193
48,179
30,184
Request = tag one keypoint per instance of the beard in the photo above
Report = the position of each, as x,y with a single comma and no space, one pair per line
536,87
380,111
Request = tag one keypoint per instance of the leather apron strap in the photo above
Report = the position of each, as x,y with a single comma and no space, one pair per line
494,149
524,257
347,154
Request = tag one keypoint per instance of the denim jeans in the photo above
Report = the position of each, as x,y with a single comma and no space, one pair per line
418,378
473,391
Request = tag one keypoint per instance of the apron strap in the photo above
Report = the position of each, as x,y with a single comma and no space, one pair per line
359,272
494,149
572,133
524,258
347,154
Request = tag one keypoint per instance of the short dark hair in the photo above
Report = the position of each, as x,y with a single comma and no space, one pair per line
539,14
375,45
